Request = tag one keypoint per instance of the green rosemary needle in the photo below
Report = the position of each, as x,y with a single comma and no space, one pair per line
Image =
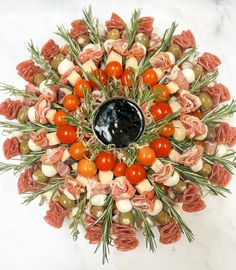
130,33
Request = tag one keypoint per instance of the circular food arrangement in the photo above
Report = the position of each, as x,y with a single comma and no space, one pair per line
119,130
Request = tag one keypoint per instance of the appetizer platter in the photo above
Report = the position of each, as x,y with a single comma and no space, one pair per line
119,130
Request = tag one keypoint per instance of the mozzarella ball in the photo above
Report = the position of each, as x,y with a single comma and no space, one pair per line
220,150
64,66
173,180
157,208
198,166
98,200
124,206
33,147
172,58
189,74
31,114
48,170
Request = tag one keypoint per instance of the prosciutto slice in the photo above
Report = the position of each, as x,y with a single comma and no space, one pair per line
94,187
137,50
41,108
144,202
209,61
73,186
170,233
39,138
62,168
164,174
55,215
122,189
226,134
95,53
188,101
52,156
220,176
185,40
191,156
115,23
161,60
120,46
178,78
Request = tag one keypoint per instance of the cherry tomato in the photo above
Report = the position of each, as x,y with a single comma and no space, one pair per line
161,146
58,118
149,77
163,92
126,77
135,173
78,151
101,76
80,85
86,168
71,102
114,70
146,156
198,114
67,134
119,169
167,130
160,110
105,161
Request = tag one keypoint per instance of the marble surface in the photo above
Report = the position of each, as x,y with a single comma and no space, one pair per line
26,241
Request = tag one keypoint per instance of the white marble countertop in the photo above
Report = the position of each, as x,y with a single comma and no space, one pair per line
26,241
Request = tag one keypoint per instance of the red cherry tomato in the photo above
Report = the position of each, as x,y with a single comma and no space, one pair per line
105,161
149,77
146,156
101,76
167,130
160,110
126,77
71,102
161,146
80,85
163,92
135,174
67,134
114,69
78,151
58,118
119,169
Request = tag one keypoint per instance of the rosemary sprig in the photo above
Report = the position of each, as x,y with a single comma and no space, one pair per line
13,91
77,219
200,83
169,203
148,233
130,33
5,167
218,114
37,57
167,37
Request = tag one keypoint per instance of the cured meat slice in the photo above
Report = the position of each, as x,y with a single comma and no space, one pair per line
9,108
170,233
27,70
192,201
122,189
145,26
39,137
144,202
154,43
137,50
185,40
49,50
55,215
79,27
93,231
26,182
226,134
188,101
220,176
177,76
62,168
120,46
115,23
164,174
191,156
41,108
94,187
52,156
11,148
161,60
73,186
209,61
210,148
95,53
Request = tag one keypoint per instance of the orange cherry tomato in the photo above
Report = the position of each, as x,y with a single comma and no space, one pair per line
78,151
101,77
114,69
86,168
149,77
160,110
58,118
198,114
135,174
161,146
105,161
67,134
119,169
71,102
80,85
167,130
126,77
146,156
163,92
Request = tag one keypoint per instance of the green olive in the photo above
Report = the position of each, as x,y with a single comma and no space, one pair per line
179,187
126,218
39,176
39,78
198,71
162,218
143,39
22,115
175,50
113,34
24,148
211,133
206,169
57,60
97,211
206,101
66,202
83,40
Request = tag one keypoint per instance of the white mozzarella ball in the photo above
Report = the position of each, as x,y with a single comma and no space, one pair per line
158,206
198,166
33,147
107,44
220,150
48,170
98,200
50,115
172,58
189,74
124,206
64,66
31,114
173,180
44,84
